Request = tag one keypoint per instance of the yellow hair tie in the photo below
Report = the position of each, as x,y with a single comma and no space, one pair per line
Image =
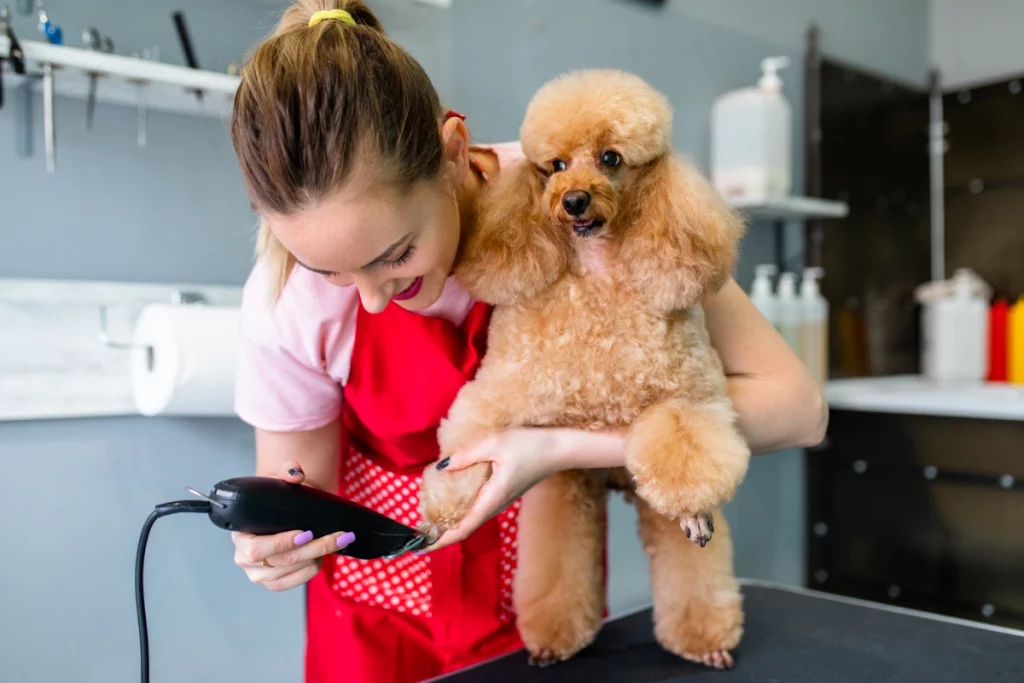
325,14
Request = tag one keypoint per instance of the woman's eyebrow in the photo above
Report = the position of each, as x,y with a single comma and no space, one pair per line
387,253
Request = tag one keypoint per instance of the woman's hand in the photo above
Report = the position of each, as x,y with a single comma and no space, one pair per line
520,458
288,559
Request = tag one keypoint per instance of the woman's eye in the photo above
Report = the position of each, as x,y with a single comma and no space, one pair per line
403,259
558,165
611,159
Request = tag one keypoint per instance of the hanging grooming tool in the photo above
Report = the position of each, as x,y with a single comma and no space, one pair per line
54,34
186,46
49,132
148,54
16,56
94,41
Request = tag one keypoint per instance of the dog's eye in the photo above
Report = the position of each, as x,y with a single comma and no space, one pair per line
557,165
611,158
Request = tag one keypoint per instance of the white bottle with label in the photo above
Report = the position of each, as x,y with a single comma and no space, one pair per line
761,293
751,152
814,325
789,311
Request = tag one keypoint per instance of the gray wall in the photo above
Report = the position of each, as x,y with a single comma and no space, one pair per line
78,490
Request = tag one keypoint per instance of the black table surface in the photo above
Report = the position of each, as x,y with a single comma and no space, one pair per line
792,636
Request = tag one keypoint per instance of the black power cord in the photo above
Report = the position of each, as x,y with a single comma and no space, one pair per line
161,510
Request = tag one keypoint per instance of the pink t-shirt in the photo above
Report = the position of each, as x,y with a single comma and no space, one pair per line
294,356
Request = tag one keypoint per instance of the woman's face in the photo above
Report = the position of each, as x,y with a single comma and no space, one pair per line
390,246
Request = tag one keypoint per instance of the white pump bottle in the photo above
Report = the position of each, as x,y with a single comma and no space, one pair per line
751,147
814,325
761,293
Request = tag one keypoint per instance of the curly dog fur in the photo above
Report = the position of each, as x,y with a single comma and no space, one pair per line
597,253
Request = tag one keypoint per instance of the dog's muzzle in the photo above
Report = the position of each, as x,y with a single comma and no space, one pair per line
576,203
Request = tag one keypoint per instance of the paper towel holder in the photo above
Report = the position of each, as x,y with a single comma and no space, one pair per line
177,297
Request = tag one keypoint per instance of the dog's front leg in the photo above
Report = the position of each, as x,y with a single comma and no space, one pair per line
558,590
446,496
687,459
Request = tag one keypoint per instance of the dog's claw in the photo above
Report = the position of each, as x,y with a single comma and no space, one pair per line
699,528
716,659
543,658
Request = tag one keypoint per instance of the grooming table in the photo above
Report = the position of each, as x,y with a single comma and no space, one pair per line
792,635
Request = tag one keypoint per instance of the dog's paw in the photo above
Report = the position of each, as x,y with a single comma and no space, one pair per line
446,497
716,659
545,657
699,528
685,458
556,630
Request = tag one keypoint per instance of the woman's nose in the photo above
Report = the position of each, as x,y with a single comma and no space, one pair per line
372,295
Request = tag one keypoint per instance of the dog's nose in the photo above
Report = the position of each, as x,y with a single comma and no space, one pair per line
575,202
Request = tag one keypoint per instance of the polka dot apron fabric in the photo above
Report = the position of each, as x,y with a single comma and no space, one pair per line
403,584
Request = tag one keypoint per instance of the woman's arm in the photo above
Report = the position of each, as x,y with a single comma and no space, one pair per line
316,453
779,403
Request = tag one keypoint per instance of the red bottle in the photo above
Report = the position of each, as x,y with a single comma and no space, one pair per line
997,341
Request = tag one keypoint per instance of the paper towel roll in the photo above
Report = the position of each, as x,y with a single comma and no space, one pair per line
184,359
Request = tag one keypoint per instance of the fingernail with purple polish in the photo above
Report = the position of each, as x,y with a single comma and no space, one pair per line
345,539
294,471
304,537
419,553
444,463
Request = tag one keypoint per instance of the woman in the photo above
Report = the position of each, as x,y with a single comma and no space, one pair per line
356,340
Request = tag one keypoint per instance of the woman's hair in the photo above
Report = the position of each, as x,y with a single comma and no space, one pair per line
319,103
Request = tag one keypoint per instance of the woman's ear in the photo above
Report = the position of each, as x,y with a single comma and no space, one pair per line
455,147
682,240
514,251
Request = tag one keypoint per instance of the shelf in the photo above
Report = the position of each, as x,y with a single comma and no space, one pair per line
167,87
790,208
913,395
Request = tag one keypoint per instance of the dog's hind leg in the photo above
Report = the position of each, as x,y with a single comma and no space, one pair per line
558,591
698,608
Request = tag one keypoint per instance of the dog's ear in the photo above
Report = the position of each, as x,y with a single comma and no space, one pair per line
514,251
681,240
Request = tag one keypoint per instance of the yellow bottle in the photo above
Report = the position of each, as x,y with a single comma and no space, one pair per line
1015,342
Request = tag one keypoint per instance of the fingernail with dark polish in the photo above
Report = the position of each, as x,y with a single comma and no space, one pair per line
711,525
687,530
295,471
304,537
444,463
345,539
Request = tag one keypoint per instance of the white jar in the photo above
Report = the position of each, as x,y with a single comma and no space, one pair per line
954,344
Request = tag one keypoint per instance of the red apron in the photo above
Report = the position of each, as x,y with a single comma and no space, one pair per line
411,618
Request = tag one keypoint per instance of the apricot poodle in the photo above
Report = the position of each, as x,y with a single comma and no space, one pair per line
597,253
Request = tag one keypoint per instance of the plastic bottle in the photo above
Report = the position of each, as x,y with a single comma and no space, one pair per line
761,293
1015,342
955,344
814,325
789,311
997,341
751,152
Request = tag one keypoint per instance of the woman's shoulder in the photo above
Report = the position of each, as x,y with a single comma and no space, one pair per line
306,308
504,153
